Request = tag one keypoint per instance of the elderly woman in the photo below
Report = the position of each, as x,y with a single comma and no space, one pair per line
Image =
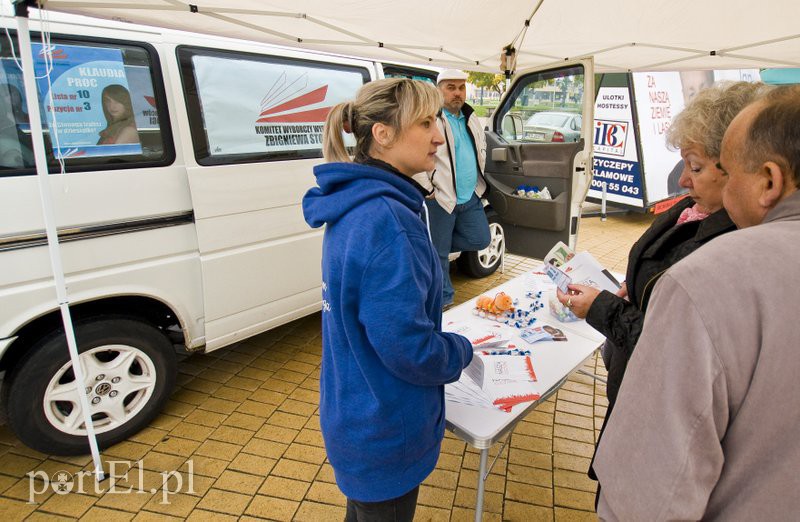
697,131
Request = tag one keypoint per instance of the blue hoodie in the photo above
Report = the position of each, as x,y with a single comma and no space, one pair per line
385,359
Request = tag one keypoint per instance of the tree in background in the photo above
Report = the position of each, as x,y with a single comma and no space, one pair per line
492,82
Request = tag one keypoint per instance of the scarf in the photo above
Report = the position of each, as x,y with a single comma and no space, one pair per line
692,213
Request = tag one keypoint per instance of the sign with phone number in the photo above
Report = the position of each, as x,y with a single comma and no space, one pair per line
622,178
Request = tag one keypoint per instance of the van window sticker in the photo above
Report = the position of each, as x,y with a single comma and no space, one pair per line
95,114
253,107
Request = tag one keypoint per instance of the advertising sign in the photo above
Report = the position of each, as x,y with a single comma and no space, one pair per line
91,100
255,107
659,98
623,129
616,159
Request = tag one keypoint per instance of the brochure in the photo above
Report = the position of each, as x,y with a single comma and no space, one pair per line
506,380
481,336
542,333
559,254
585,270
560,278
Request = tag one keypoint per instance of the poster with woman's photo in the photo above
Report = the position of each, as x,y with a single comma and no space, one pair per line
86,101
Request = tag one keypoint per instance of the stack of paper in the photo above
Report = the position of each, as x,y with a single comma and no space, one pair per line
500,381
481,336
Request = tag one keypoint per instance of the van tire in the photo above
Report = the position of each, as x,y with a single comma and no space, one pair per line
485,262
130,369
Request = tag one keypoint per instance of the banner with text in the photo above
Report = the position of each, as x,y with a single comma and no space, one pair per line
90,99
660,96
616,161
659,99
255,107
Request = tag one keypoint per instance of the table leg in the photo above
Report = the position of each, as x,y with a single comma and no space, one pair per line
481,484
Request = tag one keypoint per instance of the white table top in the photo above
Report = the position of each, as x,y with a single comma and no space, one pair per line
552,361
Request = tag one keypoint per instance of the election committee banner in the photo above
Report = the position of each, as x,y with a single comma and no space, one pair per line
86,101
258,106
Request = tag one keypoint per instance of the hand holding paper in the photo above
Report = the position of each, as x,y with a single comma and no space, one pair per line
561,279
580,297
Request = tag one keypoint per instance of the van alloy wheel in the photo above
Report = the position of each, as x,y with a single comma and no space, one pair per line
119,381
129,368
490,256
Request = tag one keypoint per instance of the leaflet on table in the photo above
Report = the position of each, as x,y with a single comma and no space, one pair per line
542,333
481,335
506,380
584,269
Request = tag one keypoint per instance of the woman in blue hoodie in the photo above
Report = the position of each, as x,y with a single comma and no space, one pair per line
385,360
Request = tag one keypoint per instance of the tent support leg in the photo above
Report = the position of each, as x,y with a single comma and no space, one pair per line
50,224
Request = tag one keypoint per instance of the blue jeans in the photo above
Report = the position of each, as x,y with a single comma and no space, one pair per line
465,229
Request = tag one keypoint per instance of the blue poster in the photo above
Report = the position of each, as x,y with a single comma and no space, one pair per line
91,101
623,178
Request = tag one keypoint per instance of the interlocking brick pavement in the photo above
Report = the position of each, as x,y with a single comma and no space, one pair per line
244,421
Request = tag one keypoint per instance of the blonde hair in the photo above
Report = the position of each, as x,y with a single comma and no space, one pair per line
704,120
395,102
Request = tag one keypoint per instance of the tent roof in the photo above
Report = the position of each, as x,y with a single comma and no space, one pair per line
470,34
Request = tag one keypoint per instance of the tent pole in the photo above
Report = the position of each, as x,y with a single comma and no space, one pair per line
21,16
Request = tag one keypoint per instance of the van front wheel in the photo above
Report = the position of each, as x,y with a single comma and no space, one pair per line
129,372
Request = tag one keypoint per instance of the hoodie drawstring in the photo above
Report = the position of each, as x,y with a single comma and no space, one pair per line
427,221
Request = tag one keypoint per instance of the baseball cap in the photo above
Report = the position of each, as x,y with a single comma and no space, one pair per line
451,74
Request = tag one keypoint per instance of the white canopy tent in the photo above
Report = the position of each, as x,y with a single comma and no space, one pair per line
622,35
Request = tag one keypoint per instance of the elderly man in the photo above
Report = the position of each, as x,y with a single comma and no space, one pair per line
457,220
706,423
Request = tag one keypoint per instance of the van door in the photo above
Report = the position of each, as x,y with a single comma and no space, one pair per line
256,126
540,140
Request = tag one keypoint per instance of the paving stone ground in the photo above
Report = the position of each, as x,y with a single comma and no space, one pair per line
243,424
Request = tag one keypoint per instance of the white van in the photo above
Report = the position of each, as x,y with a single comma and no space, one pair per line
179,213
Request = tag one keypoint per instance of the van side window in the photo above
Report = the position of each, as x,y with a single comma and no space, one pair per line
411,73
246,107
101,102
545,107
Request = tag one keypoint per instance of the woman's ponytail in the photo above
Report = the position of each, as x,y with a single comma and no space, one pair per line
338,121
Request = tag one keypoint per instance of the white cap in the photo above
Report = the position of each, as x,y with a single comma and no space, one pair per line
451,74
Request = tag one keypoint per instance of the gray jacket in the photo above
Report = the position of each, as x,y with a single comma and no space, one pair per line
441,181
706,423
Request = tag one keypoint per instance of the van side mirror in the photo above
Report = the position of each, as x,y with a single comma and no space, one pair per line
511,127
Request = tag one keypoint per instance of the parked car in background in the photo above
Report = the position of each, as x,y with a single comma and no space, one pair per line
560,127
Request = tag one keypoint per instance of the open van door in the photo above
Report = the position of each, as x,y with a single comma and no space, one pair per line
540,137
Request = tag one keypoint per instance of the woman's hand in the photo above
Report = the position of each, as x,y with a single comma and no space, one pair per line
623,290
579,299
